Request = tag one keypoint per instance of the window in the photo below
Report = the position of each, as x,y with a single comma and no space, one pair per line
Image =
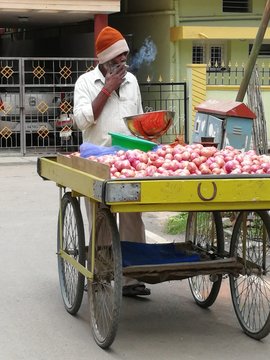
212,54
236,6
215,56
264,50
198,53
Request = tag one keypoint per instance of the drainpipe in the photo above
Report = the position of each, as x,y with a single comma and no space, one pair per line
254,53
176,44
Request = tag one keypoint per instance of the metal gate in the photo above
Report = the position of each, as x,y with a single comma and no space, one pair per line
36,103
168,96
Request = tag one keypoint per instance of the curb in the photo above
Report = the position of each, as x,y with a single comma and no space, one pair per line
11,160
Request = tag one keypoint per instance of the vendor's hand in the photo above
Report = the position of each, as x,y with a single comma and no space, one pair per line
115,76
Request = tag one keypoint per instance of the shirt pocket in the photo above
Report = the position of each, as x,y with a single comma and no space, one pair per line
128,107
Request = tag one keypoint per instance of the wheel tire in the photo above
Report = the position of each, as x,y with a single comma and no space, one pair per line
71,280
251,292
210,238
105,290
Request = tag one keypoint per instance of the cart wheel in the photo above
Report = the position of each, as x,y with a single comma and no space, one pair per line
71,280
250,290
105,290
204,229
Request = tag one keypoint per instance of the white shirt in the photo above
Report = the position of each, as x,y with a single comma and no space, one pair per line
128,103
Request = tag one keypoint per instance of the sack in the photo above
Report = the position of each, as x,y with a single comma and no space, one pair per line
88,149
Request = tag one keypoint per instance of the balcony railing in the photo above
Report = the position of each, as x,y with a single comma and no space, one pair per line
233,74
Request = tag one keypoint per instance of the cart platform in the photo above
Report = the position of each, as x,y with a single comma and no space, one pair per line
245,258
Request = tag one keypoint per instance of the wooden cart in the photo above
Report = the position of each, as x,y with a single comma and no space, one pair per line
246,259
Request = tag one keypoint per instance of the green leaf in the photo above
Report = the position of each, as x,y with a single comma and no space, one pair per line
176,224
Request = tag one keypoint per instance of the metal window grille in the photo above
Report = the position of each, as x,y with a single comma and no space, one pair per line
216,54
168,96
264,50
239,6
198,54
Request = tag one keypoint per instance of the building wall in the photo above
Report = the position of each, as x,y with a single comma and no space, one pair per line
155,27
71,40
62,5
212,8
146,5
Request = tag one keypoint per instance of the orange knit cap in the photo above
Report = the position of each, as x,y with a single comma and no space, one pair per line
109,44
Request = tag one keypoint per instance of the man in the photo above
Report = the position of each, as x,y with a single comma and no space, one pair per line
102,98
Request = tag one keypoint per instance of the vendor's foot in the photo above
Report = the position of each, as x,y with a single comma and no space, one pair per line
136,290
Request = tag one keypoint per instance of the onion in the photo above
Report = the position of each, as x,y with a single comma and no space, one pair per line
128,172
231,165
208,151
185,155
159,162
161,152
169,156
178,157
141,166
183,160
204,169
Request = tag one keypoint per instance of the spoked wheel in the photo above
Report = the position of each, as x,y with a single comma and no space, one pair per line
205,230
105,290
250,290
70,224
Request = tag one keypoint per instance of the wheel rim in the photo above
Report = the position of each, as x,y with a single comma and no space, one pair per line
71,280
102,291
205,288
201,285
105,290
70,245
251,291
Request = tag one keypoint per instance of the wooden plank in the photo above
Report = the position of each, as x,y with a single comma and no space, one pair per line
64,160
99,170
217,265
153,274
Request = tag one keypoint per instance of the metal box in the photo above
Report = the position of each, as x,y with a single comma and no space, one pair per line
228,122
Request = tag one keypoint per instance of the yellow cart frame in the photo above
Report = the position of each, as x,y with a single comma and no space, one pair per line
183,194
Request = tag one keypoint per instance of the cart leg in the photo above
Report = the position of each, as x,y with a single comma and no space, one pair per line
250,291
70,238
205,230
105,289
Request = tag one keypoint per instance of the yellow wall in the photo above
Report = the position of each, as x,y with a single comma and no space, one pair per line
196,77
207,33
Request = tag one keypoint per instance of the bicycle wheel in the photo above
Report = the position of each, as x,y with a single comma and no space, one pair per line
105,290
205,230
71,226
250,290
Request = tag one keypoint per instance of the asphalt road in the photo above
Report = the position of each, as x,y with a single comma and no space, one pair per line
35,325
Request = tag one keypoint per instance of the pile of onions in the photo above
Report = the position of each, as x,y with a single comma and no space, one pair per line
183,160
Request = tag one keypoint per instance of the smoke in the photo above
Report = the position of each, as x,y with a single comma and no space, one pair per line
146,54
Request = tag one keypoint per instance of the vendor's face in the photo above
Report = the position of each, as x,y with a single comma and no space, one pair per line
115,62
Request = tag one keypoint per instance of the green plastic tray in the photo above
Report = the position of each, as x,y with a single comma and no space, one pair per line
131,142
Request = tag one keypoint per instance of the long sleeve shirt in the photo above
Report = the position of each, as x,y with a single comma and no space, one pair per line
127,103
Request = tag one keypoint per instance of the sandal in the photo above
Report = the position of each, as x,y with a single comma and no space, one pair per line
135,290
